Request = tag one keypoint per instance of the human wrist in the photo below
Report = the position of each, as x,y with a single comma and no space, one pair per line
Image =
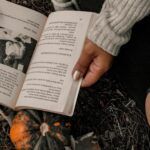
105,37
105,45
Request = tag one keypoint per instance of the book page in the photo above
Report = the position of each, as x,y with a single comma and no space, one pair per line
20,29
49,79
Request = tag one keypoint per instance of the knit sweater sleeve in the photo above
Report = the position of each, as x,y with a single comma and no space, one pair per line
113,26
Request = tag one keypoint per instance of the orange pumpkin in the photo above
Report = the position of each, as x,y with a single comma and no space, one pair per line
39,130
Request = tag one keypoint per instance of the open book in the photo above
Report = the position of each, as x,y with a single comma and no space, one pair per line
37,55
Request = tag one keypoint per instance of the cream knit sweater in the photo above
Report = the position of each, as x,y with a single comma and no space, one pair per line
112,28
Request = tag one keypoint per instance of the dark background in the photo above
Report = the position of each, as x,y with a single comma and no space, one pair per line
132,66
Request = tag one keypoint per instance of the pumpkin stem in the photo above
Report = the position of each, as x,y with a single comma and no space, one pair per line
44,128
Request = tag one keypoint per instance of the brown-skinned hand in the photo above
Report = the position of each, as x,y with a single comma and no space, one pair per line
92,64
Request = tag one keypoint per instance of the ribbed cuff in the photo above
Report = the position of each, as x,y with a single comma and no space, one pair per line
103,36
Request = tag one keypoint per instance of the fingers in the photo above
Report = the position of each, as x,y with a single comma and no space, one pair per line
92,64
95,71
83,62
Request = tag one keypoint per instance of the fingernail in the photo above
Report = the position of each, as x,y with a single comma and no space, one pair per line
77,75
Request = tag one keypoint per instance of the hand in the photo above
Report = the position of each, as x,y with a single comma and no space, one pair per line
92,64
147,107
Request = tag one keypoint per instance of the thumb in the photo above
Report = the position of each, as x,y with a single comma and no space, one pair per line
83,62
